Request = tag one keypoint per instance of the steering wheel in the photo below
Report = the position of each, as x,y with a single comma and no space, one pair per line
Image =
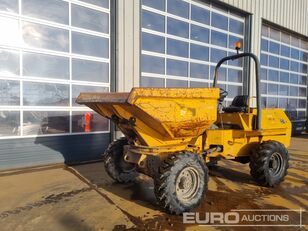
222,95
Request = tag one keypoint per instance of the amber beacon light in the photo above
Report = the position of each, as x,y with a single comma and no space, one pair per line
238,46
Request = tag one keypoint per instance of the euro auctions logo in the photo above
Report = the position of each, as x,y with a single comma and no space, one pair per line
247,217
211,218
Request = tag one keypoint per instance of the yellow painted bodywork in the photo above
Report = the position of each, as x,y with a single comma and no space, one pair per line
239,141
159,121
163,117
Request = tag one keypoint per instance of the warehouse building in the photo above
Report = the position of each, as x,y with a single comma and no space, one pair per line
52,50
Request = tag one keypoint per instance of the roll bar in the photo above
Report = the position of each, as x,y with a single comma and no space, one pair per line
257,64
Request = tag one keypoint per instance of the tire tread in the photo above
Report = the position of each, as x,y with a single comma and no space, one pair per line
110,157
168,167
258,163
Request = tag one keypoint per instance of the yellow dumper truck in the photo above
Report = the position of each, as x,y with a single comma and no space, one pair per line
171,134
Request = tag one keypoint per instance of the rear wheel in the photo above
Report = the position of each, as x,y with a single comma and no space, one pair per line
182,183
116,167
269,163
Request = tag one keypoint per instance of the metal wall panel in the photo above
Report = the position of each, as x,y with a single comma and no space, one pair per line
290,14
128,47
15,153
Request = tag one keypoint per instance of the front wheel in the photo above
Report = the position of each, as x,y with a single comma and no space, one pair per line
269,163
182,182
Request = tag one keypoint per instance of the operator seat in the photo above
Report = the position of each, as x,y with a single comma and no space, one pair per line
239,104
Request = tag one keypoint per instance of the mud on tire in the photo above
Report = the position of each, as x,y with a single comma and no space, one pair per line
269,163
182,182
116,167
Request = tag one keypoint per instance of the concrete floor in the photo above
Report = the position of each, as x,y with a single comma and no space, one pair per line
84,198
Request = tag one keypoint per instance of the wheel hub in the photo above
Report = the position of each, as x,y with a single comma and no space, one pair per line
187,184
275,163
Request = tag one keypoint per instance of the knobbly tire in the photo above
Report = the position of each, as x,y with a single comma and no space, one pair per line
269,163
116,167
181,183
